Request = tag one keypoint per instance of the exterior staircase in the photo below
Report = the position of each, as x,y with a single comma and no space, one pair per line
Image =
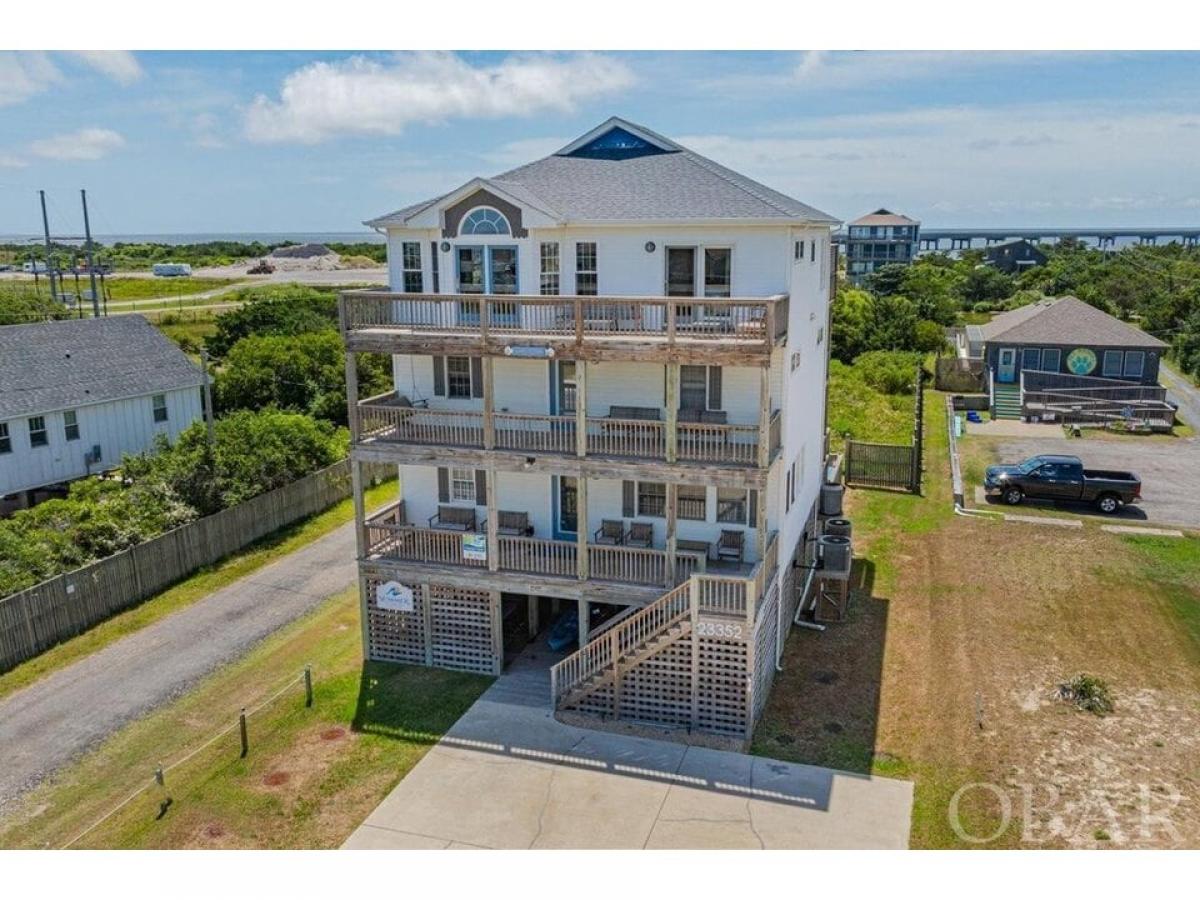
632,640
1007,400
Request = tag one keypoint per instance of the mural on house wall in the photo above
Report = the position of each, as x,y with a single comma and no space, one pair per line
1081,361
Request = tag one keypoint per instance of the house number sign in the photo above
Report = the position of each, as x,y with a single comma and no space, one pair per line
719,628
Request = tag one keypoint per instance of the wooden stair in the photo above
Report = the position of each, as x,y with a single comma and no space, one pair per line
1007,401
604,676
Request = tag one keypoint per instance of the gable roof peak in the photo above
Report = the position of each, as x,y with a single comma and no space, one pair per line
616,123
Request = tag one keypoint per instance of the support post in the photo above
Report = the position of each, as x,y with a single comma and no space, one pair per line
672,401
497,616
352,395
493,524
489,405
427,622
764,416
694,604
308,690
581,528
672,542
615,652
49,262
531,616
760,526
87,232
360,513
585,624
581,375
245,735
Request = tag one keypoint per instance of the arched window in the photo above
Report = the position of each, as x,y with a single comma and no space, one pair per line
484,220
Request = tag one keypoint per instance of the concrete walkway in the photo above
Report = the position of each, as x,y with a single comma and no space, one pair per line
66,713
510,776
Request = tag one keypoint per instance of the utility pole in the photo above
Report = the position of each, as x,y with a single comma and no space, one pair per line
208,404
87,231
49,264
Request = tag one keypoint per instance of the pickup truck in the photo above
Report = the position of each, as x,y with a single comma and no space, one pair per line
1062,478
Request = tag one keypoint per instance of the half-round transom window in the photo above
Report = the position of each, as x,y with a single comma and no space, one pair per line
485,220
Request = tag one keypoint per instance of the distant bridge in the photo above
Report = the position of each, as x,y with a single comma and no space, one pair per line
965,238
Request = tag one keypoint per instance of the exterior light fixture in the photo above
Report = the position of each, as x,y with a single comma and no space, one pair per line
445,246
649,246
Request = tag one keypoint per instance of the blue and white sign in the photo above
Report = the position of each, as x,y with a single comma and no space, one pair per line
474,546
394,596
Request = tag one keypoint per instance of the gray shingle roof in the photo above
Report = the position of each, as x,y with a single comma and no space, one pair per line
50,366
1065,320
677,184
884,217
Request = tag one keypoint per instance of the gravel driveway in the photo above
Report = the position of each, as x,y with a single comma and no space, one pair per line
66,713
1170,473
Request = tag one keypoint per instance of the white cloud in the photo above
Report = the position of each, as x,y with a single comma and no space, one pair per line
1052,163
23,75
364,96
119,65
85,144
9,161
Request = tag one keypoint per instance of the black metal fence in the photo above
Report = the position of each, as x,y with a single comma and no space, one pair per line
890,465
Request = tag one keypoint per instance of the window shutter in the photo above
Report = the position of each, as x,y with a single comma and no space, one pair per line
714,387
480,487
752,514
628,496
439,376
787,495
443,485
476,376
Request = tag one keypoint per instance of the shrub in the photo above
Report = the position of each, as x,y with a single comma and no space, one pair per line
1088,693
285,309
888,371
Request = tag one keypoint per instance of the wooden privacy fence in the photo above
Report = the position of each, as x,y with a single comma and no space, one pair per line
890,465
41,616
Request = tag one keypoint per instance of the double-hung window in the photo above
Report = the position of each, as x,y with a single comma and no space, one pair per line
159,402
458,376
71,425
410,255
37,432
1135,362
550,270
732,506
586,277
1112,364
651,499
1031,359
692,502
5,438
700,387
462,485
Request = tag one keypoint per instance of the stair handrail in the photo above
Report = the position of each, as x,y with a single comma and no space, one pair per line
610,645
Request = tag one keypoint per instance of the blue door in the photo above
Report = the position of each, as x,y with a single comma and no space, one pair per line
1006,366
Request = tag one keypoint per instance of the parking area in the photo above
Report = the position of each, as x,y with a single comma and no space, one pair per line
1169,469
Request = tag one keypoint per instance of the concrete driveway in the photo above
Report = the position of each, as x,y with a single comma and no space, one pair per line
1170,473
64,714
510,776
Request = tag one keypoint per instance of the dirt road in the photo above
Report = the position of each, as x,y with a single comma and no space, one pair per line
56,719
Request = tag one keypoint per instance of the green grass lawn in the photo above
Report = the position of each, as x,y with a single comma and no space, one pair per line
311,776
128,289
191,589
865,414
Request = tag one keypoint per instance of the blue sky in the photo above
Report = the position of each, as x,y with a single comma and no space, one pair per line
290,141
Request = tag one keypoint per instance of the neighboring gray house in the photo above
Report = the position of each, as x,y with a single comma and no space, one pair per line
76,395
1065,336
877,239
1014,256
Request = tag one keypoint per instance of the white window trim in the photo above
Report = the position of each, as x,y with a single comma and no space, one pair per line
405,270
1140,356
1120,357
456,486
463,223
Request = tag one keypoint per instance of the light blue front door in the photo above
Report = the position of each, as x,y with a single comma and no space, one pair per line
1006,365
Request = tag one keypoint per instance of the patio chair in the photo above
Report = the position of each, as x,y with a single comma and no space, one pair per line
641,534
611,531
514,523
731,546
453,518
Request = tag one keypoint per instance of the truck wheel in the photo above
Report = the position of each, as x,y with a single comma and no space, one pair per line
1108,504
1013,496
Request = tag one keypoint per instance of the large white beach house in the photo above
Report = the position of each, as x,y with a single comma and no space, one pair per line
609,398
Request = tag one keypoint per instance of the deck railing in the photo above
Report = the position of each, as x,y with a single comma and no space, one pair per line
388,537
383,419
675,320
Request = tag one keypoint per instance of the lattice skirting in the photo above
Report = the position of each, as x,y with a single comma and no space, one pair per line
448,627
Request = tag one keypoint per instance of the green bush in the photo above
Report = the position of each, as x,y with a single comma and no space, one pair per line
284,309
888,371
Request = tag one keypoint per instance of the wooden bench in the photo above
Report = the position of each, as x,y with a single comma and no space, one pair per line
640,413
454,518
515,523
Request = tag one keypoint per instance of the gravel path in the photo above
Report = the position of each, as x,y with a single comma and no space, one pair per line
68,712
1183,392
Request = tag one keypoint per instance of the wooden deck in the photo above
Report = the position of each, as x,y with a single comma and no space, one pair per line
730,331
381,421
